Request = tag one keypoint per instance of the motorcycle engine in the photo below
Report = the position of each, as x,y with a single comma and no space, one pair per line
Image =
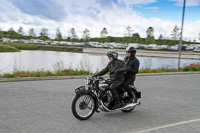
105,96
103,86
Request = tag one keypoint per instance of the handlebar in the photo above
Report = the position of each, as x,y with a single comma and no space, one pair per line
98,78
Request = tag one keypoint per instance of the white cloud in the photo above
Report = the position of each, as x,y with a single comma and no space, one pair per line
130,2
47,10
191,30
93,17
155,8
188,2
68,4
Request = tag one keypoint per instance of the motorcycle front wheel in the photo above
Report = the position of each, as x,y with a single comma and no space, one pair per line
83,106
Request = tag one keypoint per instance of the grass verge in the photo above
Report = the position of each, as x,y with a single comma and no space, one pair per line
22,46
41,73
68,72
4,48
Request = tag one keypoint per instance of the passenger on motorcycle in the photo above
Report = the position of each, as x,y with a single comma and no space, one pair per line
117,79
131,69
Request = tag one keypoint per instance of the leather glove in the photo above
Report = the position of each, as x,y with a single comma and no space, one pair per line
94,76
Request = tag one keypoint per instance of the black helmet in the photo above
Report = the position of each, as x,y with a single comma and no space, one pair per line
113,53
131,50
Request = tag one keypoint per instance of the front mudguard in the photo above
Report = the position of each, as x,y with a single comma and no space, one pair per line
82,90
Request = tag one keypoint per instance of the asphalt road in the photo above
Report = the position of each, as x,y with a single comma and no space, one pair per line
170,104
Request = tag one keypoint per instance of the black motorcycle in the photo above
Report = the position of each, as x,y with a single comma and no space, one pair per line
97,97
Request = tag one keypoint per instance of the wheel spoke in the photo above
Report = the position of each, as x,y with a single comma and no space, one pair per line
85,105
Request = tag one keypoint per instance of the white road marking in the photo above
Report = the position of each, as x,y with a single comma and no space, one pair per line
164,126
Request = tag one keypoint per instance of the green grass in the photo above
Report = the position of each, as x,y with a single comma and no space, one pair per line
147,70
41,73
4,48
159,70
59,48
22,46
67,72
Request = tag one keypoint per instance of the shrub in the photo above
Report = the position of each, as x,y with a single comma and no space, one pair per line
48,73
25,75
41,72
145,70
191,67
7,75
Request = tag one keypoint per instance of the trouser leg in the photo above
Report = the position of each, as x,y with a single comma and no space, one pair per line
113,88
126,84
114,94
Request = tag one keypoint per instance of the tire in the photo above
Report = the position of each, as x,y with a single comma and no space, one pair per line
134,101
83,106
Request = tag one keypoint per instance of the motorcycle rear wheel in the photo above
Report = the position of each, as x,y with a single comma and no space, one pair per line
83,106
134,101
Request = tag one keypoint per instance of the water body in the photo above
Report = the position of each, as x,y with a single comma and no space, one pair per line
27,60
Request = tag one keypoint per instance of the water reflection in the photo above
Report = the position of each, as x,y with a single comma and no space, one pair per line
32,60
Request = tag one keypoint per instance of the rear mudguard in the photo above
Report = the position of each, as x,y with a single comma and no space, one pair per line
135,90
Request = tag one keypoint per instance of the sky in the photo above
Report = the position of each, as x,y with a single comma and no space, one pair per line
114,15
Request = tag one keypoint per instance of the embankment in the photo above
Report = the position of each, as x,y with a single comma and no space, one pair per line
142,53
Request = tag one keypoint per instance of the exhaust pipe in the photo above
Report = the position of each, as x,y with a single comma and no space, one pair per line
131,105
128,106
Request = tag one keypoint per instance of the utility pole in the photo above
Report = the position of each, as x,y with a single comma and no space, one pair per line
180,44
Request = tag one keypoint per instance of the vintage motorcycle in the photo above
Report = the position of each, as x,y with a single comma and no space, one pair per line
97,97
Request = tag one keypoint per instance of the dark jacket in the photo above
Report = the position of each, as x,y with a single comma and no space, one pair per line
112,67
131,67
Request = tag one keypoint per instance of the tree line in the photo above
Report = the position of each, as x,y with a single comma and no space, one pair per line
129,36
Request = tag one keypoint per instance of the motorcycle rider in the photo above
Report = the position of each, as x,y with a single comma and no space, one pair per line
131,69
116,79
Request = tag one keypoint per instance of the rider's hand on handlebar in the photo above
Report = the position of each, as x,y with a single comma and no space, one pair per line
94,76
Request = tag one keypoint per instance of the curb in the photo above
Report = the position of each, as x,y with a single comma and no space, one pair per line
83,76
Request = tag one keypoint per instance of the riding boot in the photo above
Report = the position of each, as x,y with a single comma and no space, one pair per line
130,94
116,100
117,104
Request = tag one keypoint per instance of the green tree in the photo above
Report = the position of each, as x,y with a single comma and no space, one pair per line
109,39
104,33
11,33
44,34
69,39
20,31
160,39
31,33
129,31
58,35
72,35
199,36
136,38
20,34
150,31
127,35
86,35
125,39
175,33
150,35
194,41
1,33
